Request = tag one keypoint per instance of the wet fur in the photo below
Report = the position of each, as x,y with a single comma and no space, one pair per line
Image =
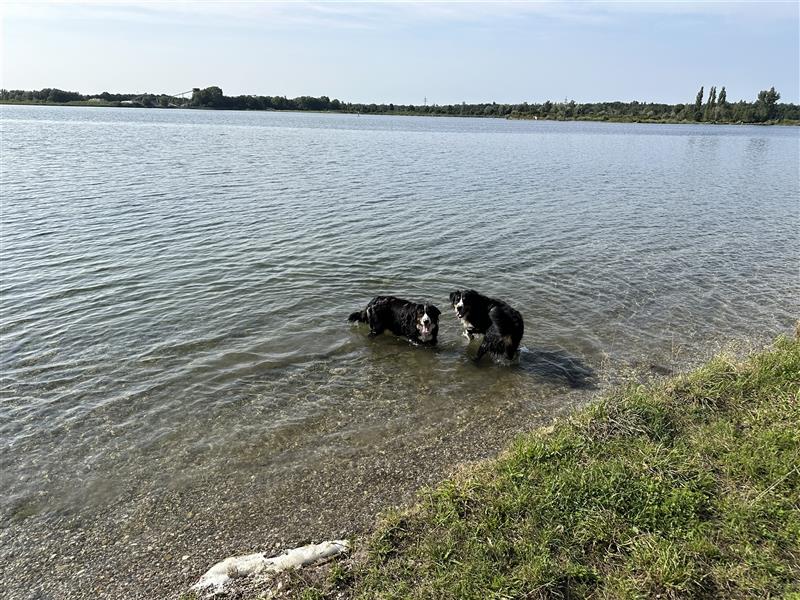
399,316
502,326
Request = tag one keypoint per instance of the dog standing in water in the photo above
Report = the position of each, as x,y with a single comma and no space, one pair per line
417,322
501,325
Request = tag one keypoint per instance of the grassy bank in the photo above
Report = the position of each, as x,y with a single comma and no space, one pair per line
685,488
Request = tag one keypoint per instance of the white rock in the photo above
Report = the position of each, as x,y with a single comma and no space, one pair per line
217,577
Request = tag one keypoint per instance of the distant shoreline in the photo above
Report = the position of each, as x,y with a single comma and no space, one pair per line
511,117
765,109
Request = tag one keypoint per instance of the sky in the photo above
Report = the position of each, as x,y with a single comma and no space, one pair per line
407,52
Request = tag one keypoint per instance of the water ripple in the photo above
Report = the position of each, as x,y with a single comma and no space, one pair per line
174,284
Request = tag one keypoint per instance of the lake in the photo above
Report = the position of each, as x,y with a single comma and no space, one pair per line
180,383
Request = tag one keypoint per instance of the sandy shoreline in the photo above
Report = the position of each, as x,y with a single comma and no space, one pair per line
171,537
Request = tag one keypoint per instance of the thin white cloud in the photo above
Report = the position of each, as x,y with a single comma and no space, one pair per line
374,14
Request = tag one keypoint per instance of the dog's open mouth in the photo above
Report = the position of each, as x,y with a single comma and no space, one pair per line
425,328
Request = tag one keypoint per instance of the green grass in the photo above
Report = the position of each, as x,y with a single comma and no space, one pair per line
688,488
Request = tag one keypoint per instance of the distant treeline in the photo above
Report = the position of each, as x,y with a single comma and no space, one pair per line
713,108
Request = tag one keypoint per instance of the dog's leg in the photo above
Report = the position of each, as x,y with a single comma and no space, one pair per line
467,335
510,346
482,349
376,326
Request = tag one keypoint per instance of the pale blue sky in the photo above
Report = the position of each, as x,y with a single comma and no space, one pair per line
403,52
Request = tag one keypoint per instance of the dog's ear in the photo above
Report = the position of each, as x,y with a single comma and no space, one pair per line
433,311
454,297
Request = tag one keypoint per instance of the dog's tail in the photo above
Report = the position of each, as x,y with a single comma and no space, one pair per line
359,315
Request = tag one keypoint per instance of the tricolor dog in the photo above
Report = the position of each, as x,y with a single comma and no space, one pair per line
417,322
500,324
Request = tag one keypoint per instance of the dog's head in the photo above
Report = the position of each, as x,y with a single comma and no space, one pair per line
427,316
460,300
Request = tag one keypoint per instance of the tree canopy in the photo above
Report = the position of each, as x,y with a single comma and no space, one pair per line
764,109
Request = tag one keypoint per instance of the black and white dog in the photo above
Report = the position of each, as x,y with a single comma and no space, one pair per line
500,324
417,322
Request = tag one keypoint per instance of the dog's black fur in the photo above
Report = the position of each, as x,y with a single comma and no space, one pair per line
401,317
501,325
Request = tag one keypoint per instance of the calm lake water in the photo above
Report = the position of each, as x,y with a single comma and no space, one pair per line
175,287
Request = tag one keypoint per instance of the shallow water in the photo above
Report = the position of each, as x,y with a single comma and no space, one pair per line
175,284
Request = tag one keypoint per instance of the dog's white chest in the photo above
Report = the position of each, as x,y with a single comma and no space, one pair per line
467,333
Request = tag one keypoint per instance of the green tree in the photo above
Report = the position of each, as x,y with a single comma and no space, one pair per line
210,96
711,105
765,105
722,104
723,97
744,112
698,105
56,95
